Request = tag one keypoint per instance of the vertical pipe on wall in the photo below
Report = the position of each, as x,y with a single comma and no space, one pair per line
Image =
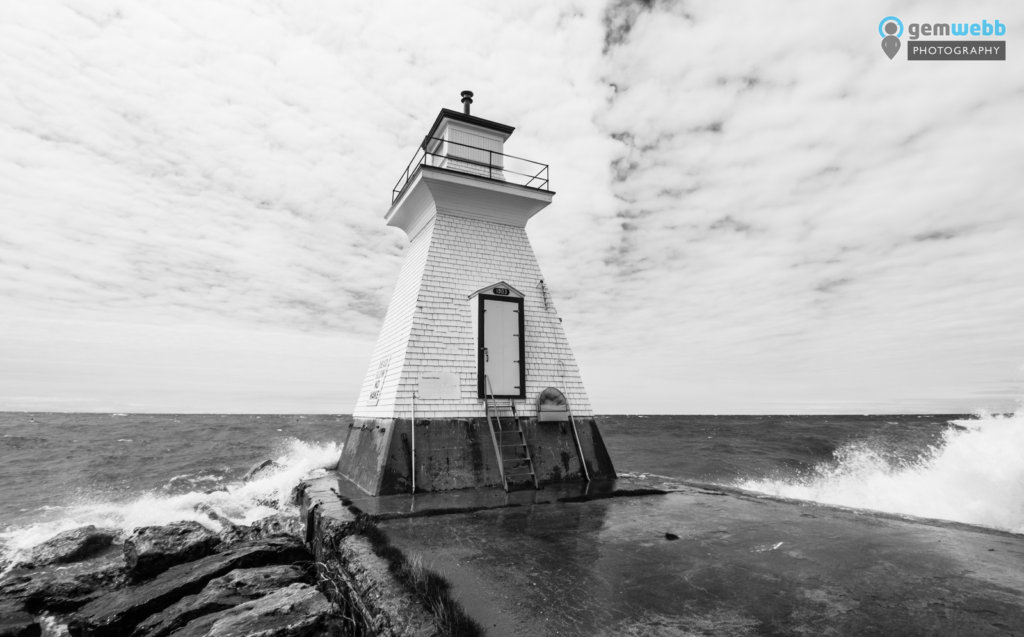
413,427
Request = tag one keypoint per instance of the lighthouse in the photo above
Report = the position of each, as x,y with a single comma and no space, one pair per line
472,382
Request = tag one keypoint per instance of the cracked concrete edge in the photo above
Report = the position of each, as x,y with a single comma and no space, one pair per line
352,575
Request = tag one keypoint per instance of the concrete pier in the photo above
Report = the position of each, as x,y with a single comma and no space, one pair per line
611,560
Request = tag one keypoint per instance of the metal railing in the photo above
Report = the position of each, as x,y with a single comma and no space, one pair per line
473,160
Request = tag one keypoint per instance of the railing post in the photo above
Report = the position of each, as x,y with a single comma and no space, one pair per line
423,156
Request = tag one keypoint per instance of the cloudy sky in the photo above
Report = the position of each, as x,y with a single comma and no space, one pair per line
757,211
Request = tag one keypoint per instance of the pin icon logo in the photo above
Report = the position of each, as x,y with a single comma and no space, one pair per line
891,30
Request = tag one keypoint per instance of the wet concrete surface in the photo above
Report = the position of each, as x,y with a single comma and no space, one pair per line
741,565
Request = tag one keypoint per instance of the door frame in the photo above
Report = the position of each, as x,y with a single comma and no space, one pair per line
481,343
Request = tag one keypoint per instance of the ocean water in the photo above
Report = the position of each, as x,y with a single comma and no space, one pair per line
962,468
60,471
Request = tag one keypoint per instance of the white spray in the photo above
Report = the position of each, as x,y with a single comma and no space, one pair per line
974,475
242,503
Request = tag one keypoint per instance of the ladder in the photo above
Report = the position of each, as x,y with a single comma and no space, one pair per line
513,456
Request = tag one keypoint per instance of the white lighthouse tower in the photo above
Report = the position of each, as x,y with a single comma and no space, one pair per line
472,382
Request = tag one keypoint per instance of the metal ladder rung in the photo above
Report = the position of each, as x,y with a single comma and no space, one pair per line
522,461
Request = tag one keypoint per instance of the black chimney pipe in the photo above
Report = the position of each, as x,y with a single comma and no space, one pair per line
467,99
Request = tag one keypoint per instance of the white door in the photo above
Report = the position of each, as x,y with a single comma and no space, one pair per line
501,350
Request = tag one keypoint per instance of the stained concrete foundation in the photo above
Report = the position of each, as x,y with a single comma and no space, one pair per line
610,558
459,454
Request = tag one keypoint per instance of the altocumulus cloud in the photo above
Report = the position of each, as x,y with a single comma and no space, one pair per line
810,228
173,173
756,211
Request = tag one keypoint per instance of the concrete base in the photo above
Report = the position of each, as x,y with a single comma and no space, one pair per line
701,560
705,562
459,454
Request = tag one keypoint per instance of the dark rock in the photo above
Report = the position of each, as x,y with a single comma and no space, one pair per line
278,524
299,610
117,613
152,549
230,533
71,546
63,588
271,526
260,468
16,622
298,493
221,593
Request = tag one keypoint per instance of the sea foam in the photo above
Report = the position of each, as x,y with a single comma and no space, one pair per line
974,474
240,502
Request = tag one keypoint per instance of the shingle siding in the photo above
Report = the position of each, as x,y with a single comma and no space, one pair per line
394,335
429,323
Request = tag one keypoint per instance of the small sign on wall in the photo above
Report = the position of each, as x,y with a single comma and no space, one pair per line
437,384
378,383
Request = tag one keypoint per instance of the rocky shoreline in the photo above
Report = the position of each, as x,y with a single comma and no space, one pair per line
325,570
180,579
